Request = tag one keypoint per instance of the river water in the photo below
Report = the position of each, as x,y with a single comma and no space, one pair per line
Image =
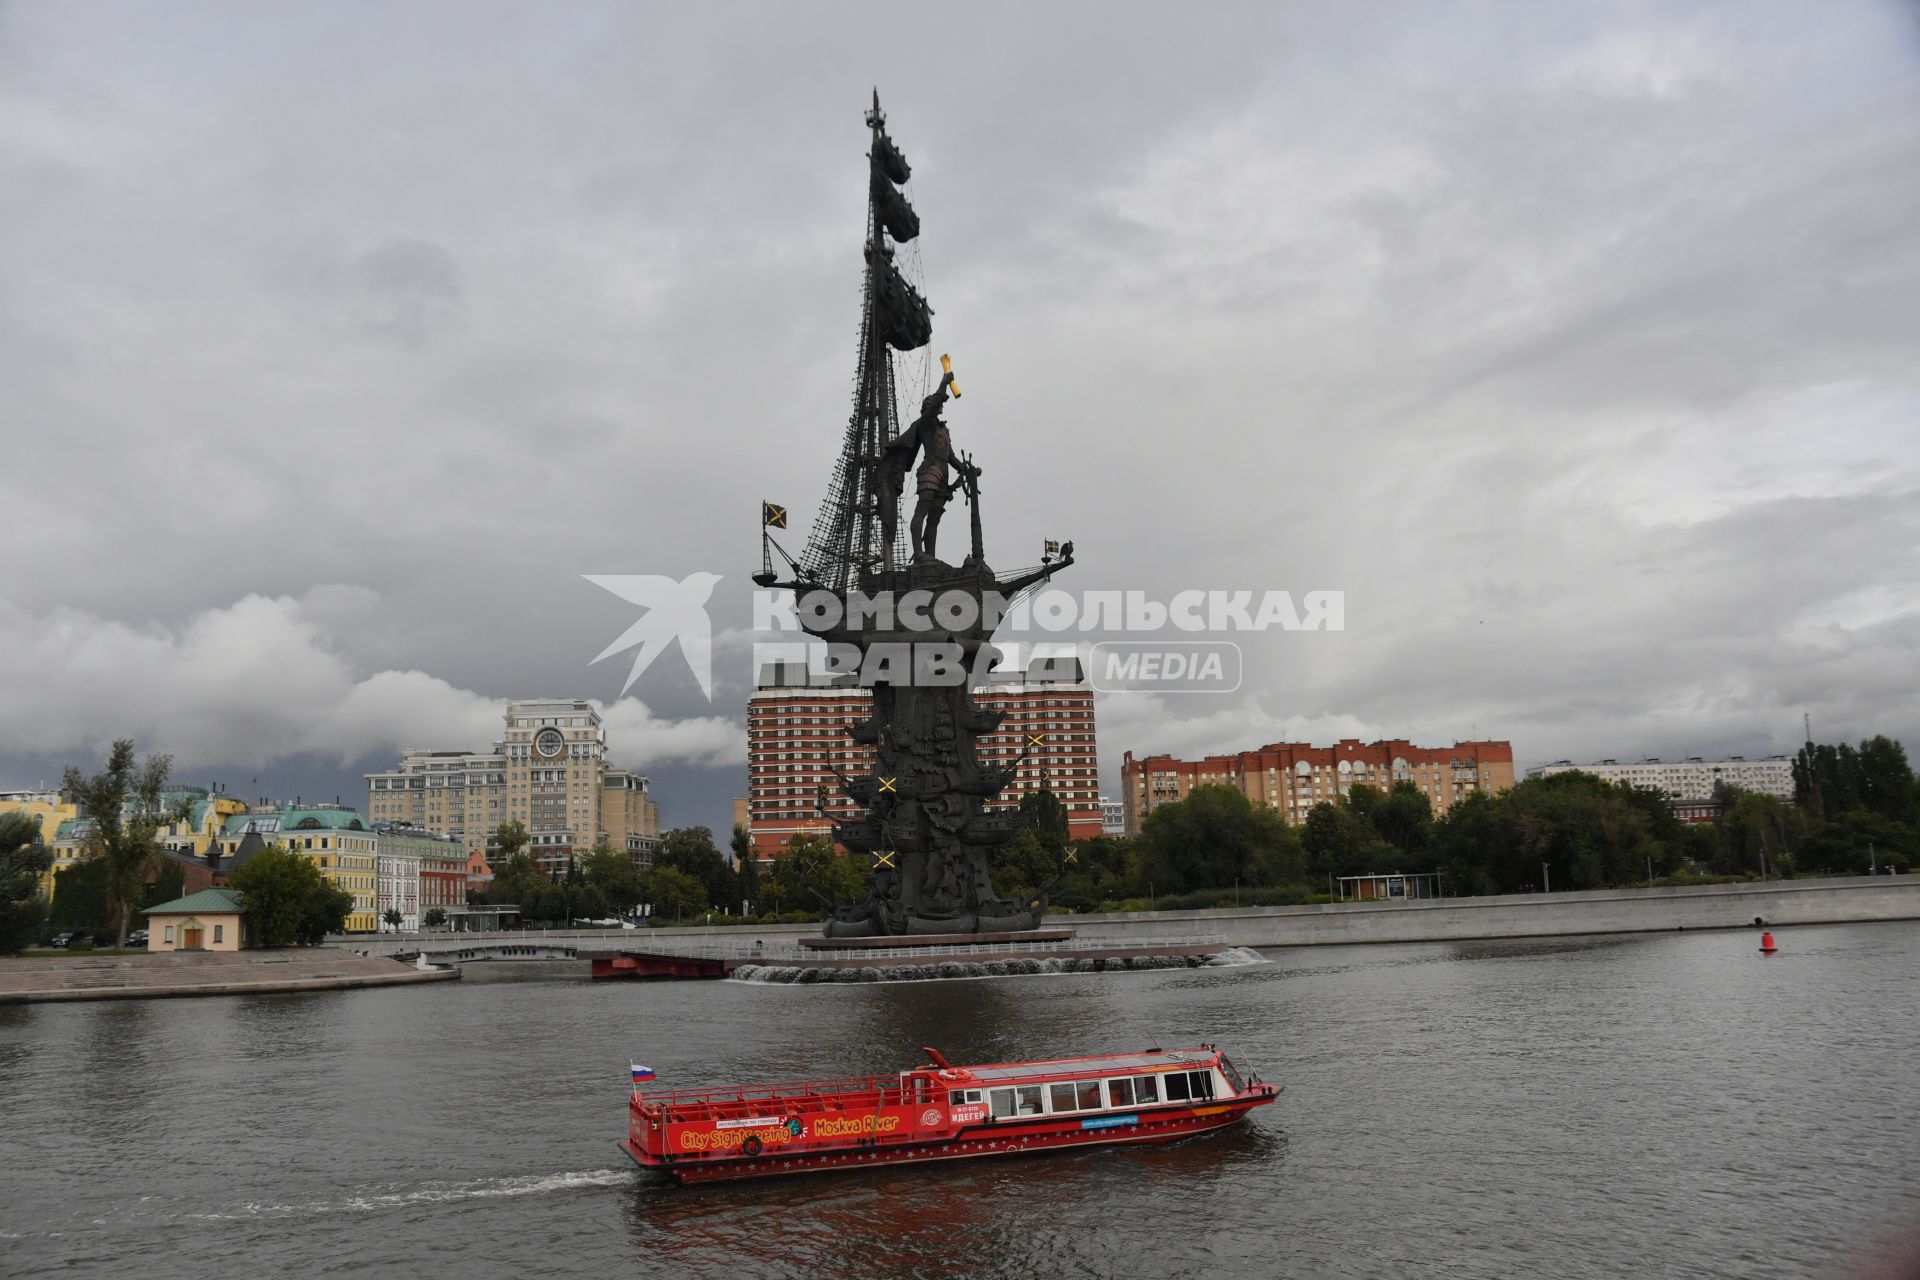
1671,1105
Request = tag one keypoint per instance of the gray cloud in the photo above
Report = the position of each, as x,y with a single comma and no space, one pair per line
1576,347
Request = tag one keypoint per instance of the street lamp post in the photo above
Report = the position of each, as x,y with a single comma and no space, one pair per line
1546,878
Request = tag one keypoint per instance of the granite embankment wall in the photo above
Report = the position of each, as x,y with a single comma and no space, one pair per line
38,979
1840,900
1533,915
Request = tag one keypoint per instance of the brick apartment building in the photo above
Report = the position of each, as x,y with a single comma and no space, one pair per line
795,732
1294,776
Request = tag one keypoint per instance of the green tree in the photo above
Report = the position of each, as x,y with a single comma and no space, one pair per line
507,839
288,900
1474,846
1035,859
549,903
125,804
613,874
519,882
690,850
24,860
326,912
1102,869
169,882
435,917
1024,866
674,894
1759,834
1569,831
812,875
1404,819
393,918
1832,781
746,867
80,898
1215,837
1340,842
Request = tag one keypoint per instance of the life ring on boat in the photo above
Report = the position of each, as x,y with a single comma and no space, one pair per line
751,1147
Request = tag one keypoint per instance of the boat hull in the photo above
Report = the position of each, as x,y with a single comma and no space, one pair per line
977,1142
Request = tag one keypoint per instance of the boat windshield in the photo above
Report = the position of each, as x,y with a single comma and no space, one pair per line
1234,1082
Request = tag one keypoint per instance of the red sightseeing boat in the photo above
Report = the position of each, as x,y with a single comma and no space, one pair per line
938,1112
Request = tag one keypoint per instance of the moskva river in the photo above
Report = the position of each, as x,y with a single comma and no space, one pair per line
1671,1105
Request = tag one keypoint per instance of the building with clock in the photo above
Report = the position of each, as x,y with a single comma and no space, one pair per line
549,771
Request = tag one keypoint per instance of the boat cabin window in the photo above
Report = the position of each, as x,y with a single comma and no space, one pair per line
1120,1091
959,1097
1189,1086
1145,1089
1075,1095
1021,1101
1234,1082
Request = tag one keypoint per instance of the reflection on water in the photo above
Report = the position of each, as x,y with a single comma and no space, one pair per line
1653,1105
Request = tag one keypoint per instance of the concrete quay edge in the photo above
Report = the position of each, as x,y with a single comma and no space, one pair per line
343,982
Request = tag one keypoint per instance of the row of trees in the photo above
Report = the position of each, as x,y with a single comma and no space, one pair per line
1856,809
688,876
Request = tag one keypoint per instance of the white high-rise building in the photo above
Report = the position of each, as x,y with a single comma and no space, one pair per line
1694,778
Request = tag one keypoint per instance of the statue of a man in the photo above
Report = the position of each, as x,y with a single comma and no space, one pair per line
927,437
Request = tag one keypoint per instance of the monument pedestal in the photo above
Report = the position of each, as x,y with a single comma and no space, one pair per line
904,940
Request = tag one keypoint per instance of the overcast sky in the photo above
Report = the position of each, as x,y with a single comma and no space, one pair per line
1579,347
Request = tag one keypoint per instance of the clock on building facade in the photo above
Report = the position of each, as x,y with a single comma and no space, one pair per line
549,743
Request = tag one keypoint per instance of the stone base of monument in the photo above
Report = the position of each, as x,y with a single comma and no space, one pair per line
975,956
883,942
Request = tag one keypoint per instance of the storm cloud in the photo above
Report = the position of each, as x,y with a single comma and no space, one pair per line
1576,346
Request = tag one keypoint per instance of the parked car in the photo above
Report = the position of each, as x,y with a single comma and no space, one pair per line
62,939
138,938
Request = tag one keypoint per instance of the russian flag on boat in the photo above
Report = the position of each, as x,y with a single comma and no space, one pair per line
641,1073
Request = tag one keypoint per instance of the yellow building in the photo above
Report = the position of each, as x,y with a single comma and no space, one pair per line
341,843
68,834
207,811
209,920
50,809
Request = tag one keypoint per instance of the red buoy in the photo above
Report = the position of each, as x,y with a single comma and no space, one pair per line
1766,943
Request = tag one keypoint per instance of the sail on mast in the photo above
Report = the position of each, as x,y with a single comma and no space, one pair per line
894,316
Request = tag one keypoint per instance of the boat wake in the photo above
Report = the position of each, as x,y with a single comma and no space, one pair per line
373,1200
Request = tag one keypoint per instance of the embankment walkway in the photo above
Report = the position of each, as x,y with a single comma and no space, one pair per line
1835,900
36,979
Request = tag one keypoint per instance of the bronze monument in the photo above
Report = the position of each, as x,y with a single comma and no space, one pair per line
914,620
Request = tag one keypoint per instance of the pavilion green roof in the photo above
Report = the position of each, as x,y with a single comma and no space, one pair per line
205,902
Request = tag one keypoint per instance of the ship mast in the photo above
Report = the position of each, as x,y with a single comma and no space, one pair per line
845,541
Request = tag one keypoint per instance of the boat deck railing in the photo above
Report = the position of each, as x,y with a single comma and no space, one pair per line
699,1104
